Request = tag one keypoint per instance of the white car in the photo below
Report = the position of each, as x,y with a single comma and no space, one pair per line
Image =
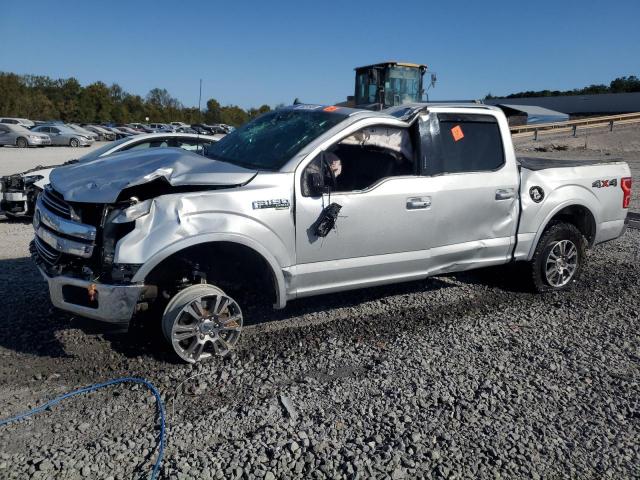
19,191
18,121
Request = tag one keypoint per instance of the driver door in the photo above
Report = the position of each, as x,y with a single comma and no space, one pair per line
381,234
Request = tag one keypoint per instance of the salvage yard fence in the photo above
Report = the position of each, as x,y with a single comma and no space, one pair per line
572,126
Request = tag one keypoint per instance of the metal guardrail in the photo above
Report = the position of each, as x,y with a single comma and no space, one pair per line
573,125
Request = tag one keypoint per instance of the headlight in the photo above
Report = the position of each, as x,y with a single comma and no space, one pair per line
133,212
34,137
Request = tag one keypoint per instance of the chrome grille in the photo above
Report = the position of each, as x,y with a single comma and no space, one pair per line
45,252
56,203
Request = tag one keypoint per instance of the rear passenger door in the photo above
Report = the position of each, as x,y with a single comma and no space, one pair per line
475,189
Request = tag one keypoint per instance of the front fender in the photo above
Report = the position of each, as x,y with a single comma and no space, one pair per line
175,223
157,258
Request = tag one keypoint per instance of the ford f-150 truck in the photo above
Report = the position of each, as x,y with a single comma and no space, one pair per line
308,200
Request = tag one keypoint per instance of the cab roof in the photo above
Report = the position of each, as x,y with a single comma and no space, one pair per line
399,112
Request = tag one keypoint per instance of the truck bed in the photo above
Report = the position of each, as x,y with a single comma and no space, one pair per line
535,163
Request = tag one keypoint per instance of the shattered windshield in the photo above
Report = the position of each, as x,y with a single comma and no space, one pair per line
270,140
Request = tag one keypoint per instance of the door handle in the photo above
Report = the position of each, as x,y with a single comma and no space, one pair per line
505,193
416,203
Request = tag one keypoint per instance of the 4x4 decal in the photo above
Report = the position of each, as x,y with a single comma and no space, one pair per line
605,183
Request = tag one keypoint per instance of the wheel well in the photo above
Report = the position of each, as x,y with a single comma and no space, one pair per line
579,216
237,269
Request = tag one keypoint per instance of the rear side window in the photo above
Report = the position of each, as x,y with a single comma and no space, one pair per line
465,143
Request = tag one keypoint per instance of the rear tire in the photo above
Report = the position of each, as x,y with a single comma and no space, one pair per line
74,143
559,257
200,322
21,142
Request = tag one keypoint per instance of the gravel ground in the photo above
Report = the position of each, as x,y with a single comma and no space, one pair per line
460,376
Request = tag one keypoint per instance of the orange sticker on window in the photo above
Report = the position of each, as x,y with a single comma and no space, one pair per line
332,108
457,134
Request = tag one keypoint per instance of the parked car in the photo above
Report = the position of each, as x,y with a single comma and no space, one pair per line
207,129
14,134
103,133
309,200
18,121
118,133
186,129
140,127
161,127
19,191
124,128
83,131
180,124
63,135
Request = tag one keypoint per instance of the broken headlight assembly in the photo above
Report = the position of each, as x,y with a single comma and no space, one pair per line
30,179
120,222
133,212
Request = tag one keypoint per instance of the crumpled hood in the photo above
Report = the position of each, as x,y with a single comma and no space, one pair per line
102,180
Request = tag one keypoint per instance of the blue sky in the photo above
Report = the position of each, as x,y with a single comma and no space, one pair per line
255,52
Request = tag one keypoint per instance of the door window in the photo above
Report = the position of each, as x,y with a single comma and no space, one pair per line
465,143
364,158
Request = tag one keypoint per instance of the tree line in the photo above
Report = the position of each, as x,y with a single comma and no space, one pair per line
39,97
619,85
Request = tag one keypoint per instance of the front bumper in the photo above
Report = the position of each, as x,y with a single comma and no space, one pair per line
112,303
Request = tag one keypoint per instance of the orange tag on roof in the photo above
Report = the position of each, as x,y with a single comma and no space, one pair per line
457,134
332,108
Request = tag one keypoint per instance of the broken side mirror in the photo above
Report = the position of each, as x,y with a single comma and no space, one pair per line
316,184
323,181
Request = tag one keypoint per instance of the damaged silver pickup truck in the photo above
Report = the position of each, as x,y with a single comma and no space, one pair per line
308,200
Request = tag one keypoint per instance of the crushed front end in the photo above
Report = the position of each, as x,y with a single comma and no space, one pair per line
74,247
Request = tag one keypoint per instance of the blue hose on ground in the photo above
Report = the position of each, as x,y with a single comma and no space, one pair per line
97,386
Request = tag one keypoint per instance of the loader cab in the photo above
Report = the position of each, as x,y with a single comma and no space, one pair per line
389,84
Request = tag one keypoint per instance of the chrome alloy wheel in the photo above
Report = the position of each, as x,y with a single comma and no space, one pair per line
207,323
561,263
